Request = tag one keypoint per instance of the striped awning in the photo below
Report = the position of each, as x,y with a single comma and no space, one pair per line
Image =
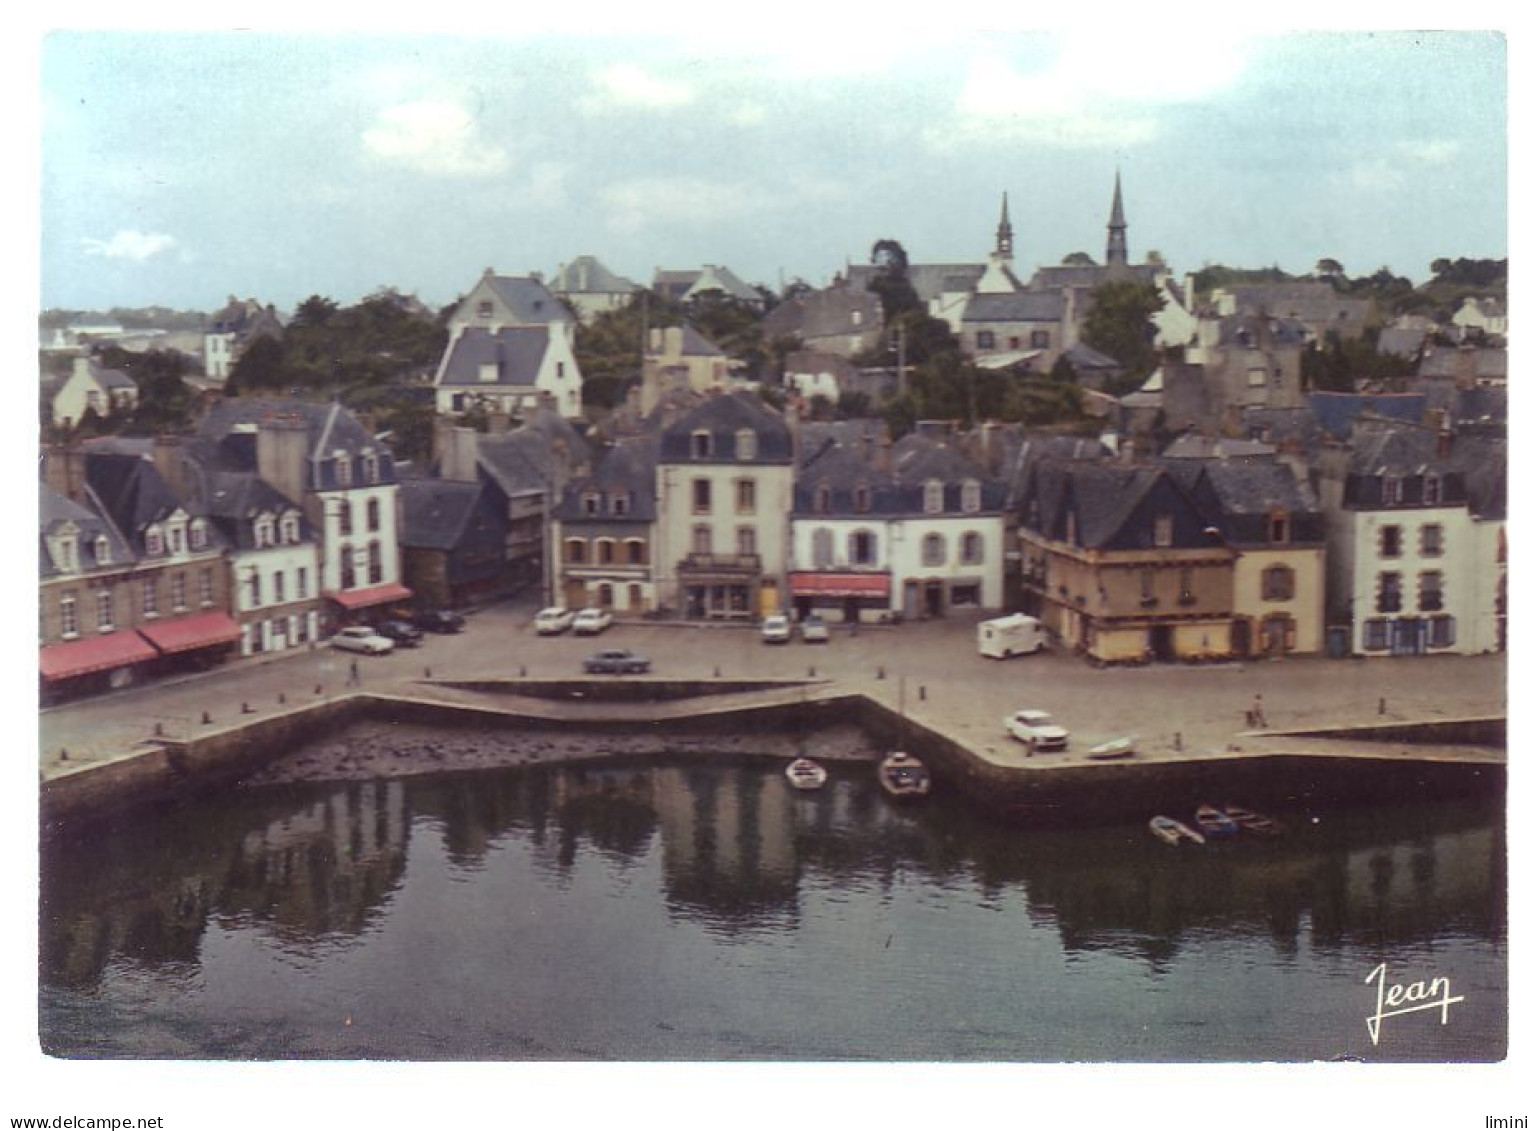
840,584
99,654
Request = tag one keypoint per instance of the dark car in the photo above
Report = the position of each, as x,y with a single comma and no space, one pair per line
402,632
615,661
438,620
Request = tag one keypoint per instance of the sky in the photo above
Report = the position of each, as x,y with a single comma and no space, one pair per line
178,168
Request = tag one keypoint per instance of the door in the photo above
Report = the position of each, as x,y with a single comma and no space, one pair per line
1241,636
1160,641
934,598
1408,640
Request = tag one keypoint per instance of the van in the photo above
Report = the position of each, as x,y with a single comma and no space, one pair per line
1015,635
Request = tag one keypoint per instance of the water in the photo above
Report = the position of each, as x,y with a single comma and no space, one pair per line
707,912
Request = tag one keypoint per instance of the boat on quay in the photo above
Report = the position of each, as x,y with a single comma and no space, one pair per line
1214,823
1250,821
805,774
904,777
1170,831
1114,749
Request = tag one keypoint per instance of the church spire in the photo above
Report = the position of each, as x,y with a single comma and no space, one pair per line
1005,248
1115,249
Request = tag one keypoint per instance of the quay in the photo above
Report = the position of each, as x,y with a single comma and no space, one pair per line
1337,730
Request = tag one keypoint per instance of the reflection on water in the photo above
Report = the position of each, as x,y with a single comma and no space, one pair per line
708,911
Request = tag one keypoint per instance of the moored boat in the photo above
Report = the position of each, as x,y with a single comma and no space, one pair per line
1250,821
901,775
1117,748
1170,831
806,774
1213,822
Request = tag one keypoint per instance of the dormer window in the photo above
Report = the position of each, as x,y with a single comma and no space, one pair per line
262,531
862,498
176,537
933,497
370,467
483,308
1280,527
619,504
1163,530
700,445
290,527
591,503
1432,489
198,534
154,541
746,444
823,501
66,550
103,550
971,496
1392,490
343,469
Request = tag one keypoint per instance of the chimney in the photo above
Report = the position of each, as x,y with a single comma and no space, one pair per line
883,453
1444,442
282,443
64,471
171,464
459,459
82,367
1069,318
498,422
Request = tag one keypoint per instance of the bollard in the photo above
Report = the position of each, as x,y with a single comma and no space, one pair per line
427,672
63,754
923,692
245,708
282,698
522,671
812,671
1382,706
717,671
319,690
880,673
207,718
1179,740
159,730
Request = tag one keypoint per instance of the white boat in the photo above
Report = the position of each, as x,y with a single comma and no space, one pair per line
1170,831
806,774
1116,748
901,775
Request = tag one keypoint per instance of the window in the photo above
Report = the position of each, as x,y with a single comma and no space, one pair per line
66,549
746,496
701,496
178,592
104,610
205,587
590,503
349,567
1163,530
1375,635
278,596
1443,632
1390,541
619,504
290,527
985,339
344,517
1280,527
1257,378
971,548
1278,583
343,469
933,497
746,540
483,308
1431,600
1187,586
301,583
1149,587
256,589
151,597
154,541
373,516
822,501
605,551
933,550
176,537
1040,339
576,551
370,467
635,551
375,563
965,596
1432,489
746,444
69,616
199,534
1390,597
102,547
262,531
821,548
862,498
862,547
703,540
1431,540
971,496
1392,490
700,445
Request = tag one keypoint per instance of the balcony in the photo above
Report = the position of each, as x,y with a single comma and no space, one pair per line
722,565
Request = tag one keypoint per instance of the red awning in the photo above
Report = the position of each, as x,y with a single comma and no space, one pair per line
202,631
367,598
78,657
840,584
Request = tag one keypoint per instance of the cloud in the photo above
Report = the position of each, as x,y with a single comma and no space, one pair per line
625,86
1401,163
438,137
1092,91
130,243
658,201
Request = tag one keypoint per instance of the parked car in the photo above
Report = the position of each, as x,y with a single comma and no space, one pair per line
1036,728
814,630
590,622
776,630
361,638
438,620
553,621
615,661
402,632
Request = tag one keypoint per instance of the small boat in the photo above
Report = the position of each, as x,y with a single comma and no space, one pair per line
806,774
1117,748
901,775
1214,822
1170,831
1250,821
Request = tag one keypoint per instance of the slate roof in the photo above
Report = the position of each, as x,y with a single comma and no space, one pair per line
112,378
518,464
529,300
825,313
1021,306
723,416
723,279
1484,465
843,468
517,352
1088,277
1309,301
1296,428
1247,331
1114,503
1488,363
229,427
1085,358
1404,341
929,280
234,499
133,495
627,469
54,510
586,275
1337,412
1194,446
435,512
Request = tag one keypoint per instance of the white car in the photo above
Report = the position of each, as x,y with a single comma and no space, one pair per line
814,630
361,638
776,630
553,621
590,622
1037,729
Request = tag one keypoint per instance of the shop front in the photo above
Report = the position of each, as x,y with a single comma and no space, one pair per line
846,597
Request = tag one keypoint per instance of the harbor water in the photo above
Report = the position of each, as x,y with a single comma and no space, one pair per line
703,910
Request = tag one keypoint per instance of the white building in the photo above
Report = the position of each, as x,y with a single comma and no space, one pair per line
511,342
92,388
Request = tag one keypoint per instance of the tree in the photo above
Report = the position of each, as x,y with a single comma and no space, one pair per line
1328,269
313,311
1155,258
261,366
1078,259
889,257
1120,325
